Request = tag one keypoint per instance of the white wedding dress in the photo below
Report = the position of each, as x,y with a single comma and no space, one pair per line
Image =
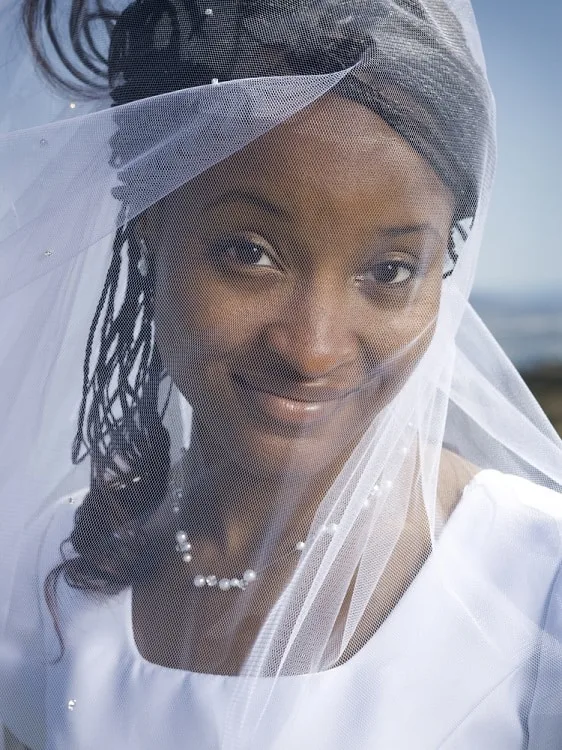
438,677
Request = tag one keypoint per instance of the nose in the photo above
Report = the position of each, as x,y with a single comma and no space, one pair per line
314,335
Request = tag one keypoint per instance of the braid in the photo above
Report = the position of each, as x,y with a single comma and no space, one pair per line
126,347
120,427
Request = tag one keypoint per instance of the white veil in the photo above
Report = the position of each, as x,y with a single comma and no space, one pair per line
69,184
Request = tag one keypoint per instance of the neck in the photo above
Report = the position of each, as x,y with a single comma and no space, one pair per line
237,510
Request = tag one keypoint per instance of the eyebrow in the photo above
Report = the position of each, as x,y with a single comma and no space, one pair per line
423,228
241,196
232,196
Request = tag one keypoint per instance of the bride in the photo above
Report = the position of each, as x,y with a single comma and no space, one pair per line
321,505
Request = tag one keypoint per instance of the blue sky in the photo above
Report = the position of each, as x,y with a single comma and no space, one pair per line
522,42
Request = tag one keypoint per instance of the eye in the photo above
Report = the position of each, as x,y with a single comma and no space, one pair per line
390,272
243,251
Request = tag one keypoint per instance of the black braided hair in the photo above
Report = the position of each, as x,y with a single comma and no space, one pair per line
158,46
120,428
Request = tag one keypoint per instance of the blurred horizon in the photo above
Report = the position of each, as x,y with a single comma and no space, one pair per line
527,326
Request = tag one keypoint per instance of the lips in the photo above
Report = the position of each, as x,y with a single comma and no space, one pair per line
297,405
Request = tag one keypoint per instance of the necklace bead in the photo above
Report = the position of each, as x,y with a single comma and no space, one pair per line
250,575
184,547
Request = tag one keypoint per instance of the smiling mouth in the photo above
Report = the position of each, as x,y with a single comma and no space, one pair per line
300,407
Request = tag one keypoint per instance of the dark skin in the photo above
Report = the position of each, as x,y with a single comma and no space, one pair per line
298,284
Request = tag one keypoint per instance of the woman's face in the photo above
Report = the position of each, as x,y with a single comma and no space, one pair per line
298,284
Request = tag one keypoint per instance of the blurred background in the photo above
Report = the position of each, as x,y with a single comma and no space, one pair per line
518,290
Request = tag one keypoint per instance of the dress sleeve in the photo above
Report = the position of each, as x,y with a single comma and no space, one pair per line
23,666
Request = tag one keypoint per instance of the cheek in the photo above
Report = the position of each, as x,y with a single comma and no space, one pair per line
201,324
400,334
407,324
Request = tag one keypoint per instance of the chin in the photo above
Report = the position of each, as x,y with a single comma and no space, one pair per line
272,451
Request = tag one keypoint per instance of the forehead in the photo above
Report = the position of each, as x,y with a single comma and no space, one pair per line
335,156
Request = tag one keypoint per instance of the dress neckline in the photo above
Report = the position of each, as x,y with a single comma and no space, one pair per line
455,519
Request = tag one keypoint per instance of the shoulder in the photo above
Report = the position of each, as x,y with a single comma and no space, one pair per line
515,527
513,495
502,547
535,498
509,530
